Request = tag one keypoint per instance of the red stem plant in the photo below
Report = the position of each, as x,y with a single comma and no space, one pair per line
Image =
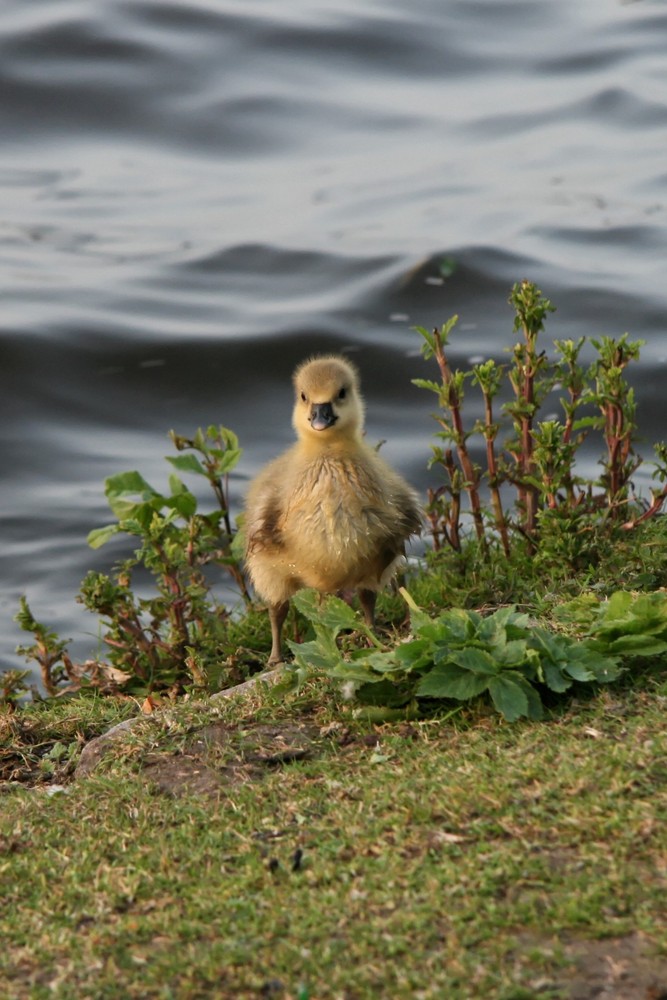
539,458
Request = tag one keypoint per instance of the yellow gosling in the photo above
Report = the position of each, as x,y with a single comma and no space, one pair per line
329,513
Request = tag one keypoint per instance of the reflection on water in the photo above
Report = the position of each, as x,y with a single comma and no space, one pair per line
194,196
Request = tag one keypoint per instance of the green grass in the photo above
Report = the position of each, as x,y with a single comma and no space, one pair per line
278,846
460,858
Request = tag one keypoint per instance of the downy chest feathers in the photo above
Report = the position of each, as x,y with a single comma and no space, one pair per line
338,506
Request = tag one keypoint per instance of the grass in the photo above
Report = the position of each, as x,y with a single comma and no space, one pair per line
460,857
279,846
282,847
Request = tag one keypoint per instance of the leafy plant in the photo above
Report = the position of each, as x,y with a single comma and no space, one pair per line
627,624
175,636
458,655
49,651
557,513
164,628
13,686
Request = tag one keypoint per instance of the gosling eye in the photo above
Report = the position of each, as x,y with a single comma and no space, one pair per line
304,398
343,393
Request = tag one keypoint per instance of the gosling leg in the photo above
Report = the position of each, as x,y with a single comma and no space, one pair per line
277,615
367,599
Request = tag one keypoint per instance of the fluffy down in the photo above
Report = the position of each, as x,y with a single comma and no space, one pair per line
329,513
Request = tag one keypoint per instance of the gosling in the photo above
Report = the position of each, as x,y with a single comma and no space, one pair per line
329,513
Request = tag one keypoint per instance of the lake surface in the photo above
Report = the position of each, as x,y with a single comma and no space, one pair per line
196,196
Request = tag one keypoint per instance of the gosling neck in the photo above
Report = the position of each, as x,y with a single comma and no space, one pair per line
330,442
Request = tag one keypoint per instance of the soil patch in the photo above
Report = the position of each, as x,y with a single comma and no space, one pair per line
615,968
624,968
218,755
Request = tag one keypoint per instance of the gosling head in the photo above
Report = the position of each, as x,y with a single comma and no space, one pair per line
328,404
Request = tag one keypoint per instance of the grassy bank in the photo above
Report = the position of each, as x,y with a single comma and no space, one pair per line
291,842
265,848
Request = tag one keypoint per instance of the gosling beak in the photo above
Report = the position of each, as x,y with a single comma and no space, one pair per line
322,416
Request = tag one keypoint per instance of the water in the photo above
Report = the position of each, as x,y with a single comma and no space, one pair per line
194,196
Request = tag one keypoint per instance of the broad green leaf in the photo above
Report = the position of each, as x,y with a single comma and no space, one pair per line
554,678
338,616
413,655
502,618
579,671
518,627
119,488
586,663
381,663
626,613
185,503
384,693
229,460
637,645
535,709
230,438
128,482
450,681
635,624
434,631
509,697
618,605
651,610
554,647
327,641
131,526
224,434
513,653
187,463
529,667
476,660
333,613
176,485
145,514
345,671
308,603
312,654
492,630
125,509
458,625
581,611
606,670
99,536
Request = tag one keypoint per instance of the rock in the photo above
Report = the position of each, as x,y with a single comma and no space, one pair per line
269,677
96,750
